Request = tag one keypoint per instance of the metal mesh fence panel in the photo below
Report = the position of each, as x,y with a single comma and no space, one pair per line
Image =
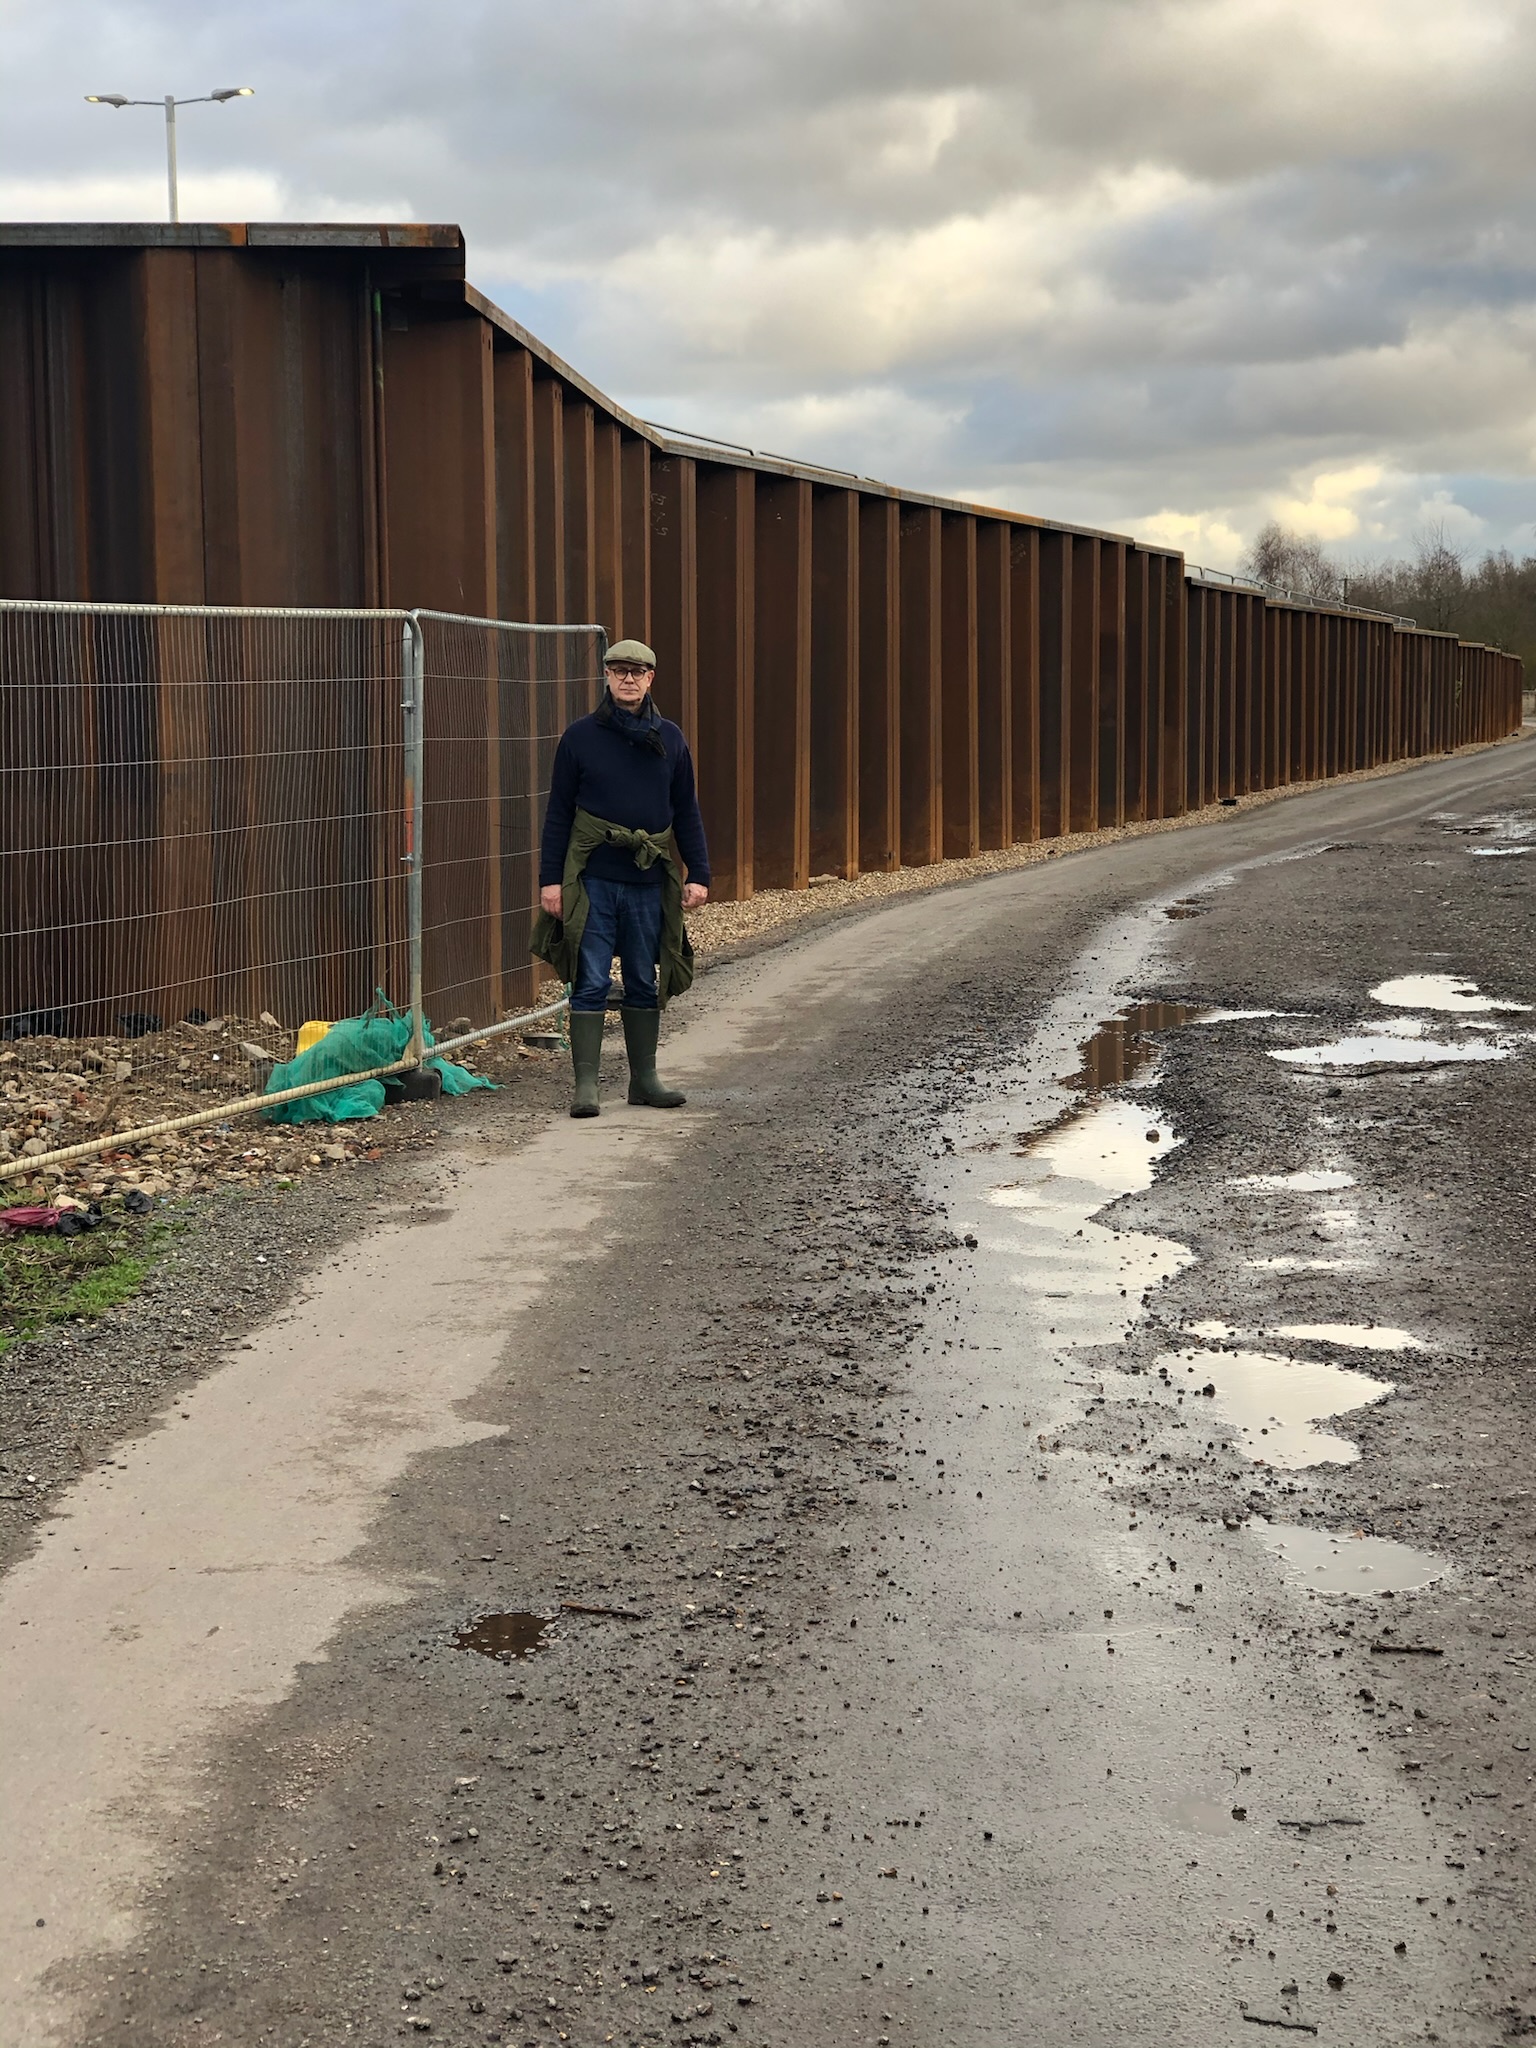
202,832
496,699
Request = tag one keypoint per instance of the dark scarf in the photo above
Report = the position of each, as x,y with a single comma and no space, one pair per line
641,728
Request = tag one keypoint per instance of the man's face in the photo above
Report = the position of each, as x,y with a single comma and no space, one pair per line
629,682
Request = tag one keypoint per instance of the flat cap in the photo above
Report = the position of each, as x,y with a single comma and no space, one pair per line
631,650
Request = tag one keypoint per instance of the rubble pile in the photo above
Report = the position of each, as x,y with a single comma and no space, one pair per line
56,1092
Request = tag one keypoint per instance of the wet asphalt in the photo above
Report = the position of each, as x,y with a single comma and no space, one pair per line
907,1661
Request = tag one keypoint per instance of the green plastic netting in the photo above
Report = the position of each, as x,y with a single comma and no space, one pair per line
377,1039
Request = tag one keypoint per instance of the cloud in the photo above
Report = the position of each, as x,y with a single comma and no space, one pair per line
1167,266
205,195
1330,505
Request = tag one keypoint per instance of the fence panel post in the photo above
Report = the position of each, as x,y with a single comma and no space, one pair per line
413,709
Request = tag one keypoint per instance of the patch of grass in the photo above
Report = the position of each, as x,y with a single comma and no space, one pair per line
45,1278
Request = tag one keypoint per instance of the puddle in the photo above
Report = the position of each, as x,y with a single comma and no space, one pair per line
504,1636
1498,852
1319,1180
1388,1049
1447,992
1360,1336
1239,1016
1115,1147
1204,1816
1120,1048
1087,1278
1274,1402
1507,825
1332,1562
1293,1262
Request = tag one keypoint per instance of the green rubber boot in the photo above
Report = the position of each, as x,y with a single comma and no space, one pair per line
642,1028
586,1052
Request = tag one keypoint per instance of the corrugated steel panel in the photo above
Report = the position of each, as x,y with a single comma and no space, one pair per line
329,414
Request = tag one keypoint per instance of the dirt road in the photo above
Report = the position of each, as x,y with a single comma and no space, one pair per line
940,1598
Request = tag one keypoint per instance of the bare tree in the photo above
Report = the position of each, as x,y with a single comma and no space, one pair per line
1494,601
1440,578
1268,555
1294,562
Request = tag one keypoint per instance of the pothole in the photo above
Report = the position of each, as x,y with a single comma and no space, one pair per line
1329,1561
1505,825
1120,1048
1360,1336
1088,1278
1273,1403
1445,992
1389,1049
1296,1262
1240,1016
1311,1180
504,1636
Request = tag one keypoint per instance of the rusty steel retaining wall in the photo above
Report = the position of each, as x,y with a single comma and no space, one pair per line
869,677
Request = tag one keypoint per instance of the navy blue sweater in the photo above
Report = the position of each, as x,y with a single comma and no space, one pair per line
601,770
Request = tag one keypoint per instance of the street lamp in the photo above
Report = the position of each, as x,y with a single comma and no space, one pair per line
171,103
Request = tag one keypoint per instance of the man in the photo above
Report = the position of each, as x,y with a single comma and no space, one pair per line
622,826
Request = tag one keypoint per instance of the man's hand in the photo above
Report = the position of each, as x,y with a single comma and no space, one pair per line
552,899
694,893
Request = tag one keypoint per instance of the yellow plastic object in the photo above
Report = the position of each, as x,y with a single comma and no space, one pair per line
311,1034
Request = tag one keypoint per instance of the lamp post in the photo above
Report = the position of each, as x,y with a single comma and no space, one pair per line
171,103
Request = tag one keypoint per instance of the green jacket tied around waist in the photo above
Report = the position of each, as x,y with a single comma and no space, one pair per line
558,939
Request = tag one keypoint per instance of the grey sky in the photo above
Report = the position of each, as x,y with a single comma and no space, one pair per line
1164,265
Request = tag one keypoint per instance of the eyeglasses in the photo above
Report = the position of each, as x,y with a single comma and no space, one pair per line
626,671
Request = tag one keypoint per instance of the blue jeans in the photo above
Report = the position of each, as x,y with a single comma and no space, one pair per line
622,918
